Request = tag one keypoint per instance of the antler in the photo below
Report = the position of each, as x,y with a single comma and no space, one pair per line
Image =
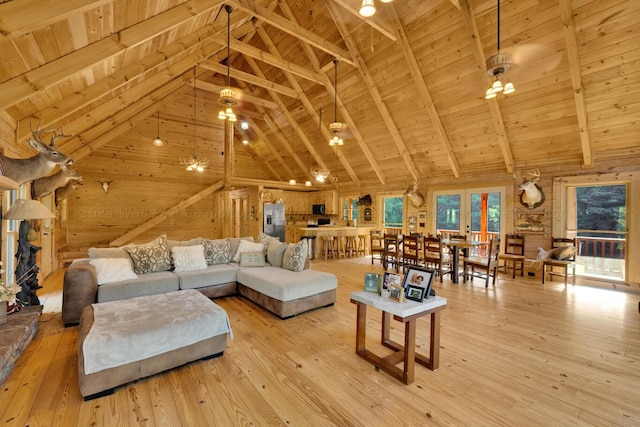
36,133
56,136
535,175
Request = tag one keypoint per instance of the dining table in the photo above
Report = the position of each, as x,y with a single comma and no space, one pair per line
455,246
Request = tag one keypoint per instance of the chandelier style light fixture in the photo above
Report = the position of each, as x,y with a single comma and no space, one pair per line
497,65
227,95
194,163
335,127
368,9
319,173
158,142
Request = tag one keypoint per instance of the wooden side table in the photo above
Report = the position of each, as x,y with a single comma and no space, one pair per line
408,313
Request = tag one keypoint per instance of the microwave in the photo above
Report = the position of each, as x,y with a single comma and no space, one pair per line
317,209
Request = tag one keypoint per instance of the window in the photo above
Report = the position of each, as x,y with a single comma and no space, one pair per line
350,208
393,214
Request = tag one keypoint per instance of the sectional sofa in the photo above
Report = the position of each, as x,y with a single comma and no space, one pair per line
270,273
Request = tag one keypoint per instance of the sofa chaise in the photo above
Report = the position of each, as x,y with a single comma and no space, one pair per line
270,273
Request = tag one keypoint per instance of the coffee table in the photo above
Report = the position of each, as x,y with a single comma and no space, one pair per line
408,313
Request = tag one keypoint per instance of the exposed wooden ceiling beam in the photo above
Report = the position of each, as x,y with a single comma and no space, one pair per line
122,121
375,93
423,90
18,17
269,184
313,58
573,56
191,48
381,28
294,30
284,166
167,214
250,78
308,107
28,84
253,52
478,53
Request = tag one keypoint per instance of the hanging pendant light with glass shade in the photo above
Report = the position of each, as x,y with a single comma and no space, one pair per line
497,66
320,173
194,163
158,142
227,94
367,8
335,127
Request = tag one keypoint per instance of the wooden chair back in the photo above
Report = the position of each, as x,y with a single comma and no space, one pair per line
391,250
514,244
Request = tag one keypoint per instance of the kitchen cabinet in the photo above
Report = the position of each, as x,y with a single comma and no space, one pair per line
328,198
296,202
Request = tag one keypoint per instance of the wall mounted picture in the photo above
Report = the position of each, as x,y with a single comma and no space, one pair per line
531,222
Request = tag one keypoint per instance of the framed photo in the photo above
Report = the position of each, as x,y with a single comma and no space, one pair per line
530,222
396,293
387,280
371,282
419,277
415,293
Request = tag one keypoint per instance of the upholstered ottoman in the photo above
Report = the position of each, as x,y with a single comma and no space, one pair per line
122,341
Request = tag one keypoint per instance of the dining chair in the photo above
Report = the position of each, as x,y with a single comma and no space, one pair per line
435,256
391,251
488,264
563,264
410,250
513,256
376,245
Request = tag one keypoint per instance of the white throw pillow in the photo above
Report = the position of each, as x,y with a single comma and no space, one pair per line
246,246
188,258
109,270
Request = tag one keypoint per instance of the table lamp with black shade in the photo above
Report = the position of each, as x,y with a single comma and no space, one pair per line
26,268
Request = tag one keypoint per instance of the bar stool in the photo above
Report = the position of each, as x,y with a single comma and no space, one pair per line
361,244
351,246
339,246
328,247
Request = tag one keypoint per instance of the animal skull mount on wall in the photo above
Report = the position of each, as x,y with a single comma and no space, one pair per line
532,195
415,197
105,185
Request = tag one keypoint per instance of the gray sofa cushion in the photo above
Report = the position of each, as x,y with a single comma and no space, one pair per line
146,284
217,251
286,285
212,275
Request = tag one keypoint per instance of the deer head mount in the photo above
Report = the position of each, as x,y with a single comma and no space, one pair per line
532,195
415,197
42,186
40,165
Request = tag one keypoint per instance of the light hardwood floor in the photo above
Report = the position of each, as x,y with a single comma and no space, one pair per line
516,354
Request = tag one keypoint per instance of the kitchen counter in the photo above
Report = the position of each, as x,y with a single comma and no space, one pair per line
333,230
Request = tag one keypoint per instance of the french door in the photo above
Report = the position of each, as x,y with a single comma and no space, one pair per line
475,213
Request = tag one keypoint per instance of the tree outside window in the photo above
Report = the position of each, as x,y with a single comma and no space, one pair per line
393,212
350,208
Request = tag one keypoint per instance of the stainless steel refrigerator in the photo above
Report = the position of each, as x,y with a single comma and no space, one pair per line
273,221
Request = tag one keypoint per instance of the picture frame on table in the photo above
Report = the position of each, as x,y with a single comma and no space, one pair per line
372,282
389,279
396,293
419,277
415,293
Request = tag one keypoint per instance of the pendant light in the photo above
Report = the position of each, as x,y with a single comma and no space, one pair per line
367,8
227,95
319,173
335,127
194,164
158,142
497,65
292,181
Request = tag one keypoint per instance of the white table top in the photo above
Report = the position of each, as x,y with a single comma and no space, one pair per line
404,309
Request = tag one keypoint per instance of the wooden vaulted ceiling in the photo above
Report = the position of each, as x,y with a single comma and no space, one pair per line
410,87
